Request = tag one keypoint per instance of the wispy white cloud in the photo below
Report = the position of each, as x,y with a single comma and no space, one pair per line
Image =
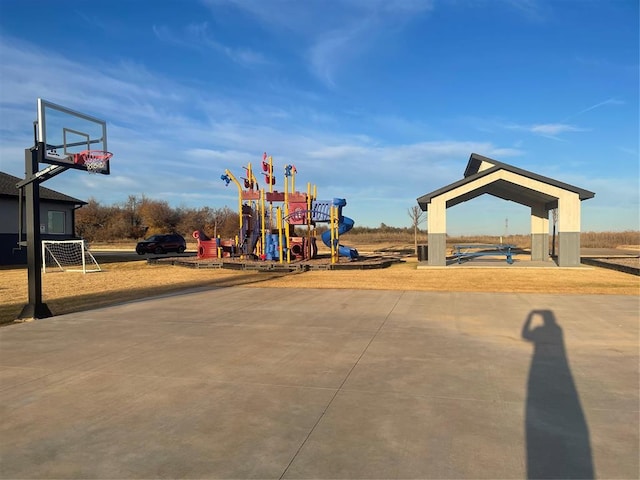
197,36
549,130
331,50
172,141
610,101
402,126
177,120
167,148
553,129
532,9
358,32
332,33
598,63
629,151
313,17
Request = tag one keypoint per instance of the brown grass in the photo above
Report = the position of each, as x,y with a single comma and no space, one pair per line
122,282
66,292
406,276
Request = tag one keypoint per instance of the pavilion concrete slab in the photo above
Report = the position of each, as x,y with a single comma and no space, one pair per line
239,383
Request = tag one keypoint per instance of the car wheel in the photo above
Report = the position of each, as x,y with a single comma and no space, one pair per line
181,249
140,251
158,250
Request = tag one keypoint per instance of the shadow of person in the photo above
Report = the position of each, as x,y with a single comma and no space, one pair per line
557,435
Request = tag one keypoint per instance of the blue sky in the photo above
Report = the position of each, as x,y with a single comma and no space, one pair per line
375,101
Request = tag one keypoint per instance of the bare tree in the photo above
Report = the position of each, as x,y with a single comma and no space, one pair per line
415,214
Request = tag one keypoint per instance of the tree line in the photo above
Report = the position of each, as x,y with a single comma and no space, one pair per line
139,217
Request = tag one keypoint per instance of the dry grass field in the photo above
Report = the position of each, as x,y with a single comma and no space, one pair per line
127,281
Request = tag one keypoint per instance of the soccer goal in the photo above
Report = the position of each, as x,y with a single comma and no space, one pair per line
68,256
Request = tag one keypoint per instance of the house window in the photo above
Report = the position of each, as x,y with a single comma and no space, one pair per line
56,222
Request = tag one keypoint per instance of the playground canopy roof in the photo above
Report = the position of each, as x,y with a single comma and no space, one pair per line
480,166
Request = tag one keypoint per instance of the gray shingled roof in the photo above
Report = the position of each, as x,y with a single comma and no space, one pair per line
501,189
476,160
8,189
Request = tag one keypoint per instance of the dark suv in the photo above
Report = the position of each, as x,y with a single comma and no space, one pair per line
162,244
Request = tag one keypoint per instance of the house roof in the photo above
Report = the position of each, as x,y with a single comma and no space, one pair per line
8,189
480,166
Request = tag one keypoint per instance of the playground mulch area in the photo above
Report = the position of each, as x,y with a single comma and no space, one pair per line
321,262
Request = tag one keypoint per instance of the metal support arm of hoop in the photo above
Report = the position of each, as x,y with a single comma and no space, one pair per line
43,175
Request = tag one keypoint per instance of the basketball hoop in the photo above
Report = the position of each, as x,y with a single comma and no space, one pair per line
94,160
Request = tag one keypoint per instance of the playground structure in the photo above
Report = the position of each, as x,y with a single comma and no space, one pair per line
268,220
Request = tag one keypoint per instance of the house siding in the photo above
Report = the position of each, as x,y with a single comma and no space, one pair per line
10,253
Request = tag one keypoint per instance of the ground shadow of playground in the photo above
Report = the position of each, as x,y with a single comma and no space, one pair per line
557,435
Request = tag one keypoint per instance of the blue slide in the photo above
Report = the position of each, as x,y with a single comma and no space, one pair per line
344,225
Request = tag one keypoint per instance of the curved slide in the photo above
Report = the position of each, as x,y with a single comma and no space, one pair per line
344,225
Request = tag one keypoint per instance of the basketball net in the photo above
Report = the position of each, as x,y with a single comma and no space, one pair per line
95,161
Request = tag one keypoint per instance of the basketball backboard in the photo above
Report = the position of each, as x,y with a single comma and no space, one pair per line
66,134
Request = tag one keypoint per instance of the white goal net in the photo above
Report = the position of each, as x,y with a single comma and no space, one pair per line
68,256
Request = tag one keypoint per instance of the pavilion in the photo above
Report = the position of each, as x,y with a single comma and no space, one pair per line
540,194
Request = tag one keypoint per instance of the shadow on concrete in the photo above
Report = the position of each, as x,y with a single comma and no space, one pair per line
557,435
92,301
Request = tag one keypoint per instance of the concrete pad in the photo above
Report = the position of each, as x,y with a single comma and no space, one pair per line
384,435
404,362
311,383
98,426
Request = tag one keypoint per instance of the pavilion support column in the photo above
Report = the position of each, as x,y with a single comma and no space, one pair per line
437,228
539,233
569,230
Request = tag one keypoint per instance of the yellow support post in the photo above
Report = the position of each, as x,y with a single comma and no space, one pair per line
252,222
271,226
235,180
288,248
251,176
309,217
333,221
309,201
286,192
271,174
286,215
285,227
279,223
262,223
219,247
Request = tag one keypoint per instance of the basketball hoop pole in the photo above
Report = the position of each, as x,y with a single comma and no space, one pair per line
35,308
58,131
